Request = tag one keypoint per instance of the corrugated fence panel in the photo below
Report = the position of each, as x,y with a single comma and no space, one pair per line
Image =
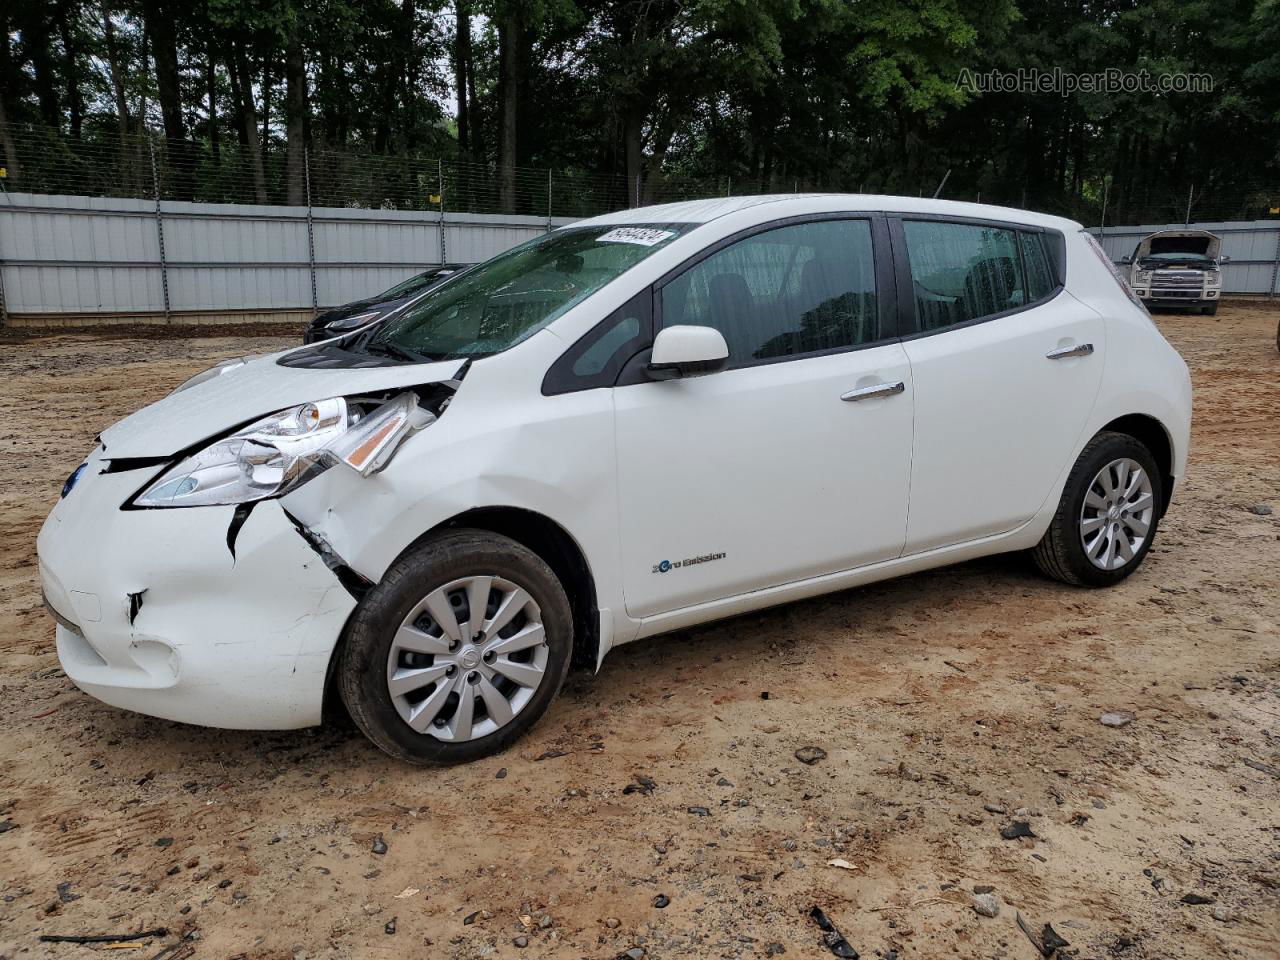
66,255
1252,249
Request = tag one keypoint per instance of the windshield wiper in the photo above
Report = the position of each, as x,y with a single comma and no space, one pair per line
384,349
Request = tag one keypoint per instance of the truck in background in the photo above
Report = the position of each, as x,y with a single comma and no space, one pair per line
1178,268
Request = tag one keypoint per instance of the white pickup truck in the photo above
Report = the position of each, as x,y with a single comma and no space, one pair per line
1177,268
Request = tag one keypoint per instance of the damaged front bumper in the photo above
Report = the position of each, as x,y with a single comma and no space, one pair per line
205,615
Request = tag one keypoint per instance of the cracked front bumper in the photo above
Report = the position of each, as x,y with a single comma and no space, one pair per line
157,616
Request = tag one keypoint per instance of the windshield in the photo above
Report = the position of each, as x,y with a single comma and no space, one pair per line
500,302
415,283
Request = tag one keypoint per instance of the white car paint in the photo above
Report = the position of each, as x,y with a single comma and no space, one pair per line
802,493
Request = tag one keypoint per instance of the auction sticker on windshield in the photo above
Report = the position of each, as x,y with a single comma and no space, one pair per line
644,236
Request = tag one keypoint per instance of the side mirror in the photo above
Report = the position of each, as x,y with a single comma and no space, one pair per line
1125,261
687,351
1224,259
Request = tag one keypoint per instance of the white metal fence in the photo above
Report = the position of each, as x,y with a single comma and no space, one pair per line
88,258
1253,249
104,257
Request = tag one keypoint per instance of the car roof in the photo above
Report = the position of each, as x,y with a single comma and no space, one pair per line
703,211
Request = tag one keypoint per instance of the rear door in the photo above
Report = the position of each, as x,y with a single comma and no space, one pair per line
794,461
1006,366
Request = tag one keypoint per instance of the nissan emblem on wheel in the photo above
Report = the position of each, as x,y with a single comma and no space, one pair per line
432,514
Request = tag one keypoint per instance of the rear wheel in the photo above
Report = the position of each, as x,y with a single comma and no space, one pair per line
1108,514
458,651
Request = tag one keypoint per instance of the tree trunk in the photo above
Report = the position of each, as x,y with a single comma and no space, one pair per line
12,165
296,114
242,90
75,100
10,160
37,41
510,30
211,84
461,70
632,144
168,87
117,75
266,103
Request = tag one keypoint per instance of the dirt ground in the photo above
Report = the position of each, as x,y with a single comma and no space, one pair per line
949,704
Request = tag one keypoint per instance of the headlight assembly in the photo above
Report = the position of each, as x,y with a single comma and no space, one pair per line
281,452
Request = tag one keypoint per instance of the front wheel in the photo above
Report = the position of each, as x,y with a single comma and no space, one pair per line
1108,514
458,651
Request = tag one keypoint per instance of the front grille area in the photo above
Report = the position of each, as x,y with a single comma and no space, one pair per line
1177,278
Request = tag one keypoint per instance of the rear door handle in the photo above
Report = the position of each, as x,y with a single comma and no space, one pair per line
1079,350
875,390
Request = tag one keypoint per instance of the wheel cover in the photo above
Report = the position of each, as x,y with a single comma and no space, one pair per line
467,659
1116,516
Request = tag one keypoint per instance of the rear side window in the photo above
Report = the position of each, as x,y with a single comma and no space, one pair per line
1040,282
800,289
962,272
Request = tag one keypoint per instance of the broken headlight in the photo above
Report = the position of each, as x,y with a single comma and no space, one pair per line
283,451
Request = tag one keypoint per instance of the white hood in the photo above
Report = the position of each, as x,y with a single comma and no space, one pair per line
1179,241
246,392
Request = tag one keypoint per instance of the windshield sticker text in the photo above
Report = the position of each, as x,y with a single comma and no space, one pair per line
643,236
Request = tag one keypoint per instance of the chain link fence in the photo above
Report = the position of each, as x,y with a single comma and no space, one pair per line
41,160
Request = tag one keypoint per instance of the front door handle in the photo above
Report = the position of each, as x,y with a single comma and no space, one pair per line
1079,350
875,390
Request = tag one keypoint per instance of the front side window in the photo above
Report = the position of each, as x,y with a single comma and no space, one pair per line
962,272
497,304
793,290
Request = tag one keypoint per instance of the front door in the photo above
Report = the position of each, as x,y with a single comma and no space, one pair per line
791,463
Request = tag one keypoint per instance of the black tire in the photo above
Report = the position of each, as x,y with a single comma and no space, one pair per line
452,555
1060,554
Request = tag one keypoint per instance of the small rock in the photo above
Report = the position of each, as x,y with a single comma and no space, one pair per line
613,923
994,808
164,841
635,953
811,755
65,894
223,884
983,888
173,871
1016,829
379,845
700,811
661,901
390,928
1197,899
774,950
985,905
1222,914
239,895
722,782
643,785
7,825
1261,509
501,774
1116,718
546,923
520,942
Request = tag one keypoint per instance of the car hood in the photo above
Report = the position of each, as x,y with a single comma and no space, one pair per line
253,389
1179,241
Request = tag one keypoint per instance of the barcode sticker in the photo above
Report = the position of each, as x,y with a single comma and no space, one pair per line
644,236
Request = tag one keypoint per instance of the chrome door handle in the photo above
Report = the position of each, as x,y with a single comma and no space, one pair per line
875,390
1079,350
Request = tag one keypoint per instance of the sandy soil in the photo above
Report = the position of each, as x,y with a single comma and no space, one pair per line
940,699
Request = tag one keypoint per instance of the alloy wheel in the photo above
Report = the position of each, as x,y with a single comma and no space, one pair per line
1116,516
467,659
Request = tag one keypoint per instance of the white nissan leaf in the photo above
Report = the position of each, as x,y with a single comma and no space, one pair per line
633,424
